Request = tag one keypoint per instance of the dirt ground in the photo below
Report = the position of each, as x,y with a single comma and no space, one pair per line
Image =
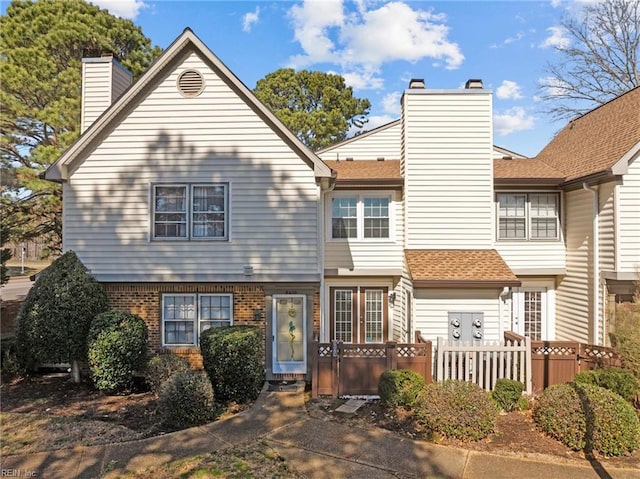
515,434
50,412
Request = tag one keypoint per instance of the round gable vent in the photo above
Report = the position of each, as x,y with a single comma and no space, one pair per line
190,83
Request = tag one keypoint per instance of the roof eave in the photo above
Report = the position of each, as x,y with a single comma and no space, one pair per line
459,283
529,181
370,183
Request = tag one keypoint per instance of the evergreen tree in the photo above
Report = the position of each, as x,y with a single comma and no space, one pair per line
41,47
317,107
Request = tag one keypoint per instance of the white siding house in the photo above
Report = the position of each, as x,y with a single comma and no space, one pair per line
195,207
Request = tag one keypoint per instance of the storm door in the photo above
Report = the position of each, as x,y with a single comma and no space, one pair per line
289,334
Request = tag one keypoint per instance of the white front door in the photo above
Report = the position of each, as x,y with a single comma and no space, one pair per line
289,333
530,317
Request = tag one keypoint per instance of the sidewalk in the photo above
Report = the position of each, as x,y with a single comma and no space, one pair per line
315,448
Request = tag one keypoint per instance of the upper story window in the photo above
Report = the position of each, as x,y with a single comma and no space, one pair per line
361,217
186,211
528,216
186,316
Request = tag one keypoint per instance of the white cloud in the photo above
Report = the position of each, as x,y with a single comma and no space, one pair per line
122,8
509,90
516,38
364,39
512,120
553,86
364,80
311,20
556,38
249,19
391,102
556,3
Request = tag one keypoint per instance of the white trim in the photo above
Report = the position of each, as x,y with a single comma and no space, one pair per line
197,319
291,367
621,167
360,196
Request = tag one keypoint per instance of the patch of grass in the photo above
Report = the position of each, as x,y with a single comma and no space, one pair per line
25,433
259,461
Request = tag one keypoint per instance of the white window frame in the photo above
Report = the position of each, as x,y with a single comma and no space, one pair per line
528,216
197,317
189,195
360,218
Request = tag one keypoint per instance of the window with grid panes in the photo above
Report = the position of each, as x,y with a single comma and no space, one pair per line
186,316
190,211
361,217
523,216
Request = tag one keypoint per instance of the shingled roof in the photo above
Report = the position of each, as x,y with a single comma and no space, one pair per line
596,141
528,170
367,171
467,268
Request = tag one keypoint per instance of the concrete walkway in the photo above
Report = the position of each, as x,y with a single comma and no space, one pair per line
313,447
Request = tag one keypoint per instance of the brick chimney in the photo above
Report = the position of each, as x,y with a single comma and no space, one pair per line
104,79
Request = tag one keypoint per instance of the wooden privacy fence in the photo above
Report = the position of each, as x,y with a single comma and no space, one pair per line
483,363
341,369
557,362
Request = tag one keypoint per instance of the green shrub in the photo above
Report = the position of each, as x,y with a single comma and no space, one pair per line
625,334
583,416
456,409
186,399
233,358
400,387
54,320
507,394
558,413
162,367
612,423
9,364
117,348
620,381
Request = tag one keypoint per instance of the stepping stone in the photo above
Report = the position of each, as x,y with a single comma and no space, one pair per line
351,406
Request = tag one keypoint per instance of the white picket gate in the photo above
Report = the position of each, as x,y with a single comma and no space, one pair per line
483,363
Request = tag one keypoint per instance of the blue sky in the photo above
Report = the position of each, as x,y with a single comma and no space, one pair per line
378,46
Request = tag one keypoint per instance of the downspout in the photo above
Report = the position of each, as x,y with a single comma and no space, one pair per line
596,262
325,188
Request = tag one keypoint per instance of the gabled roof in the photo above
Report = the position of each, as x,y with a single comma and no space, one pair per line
437,268
377,129
185,43
369,172
600,141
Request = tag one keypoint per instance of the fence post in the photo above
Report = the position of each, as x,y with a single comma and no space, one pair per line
391,354
528,365
336,351
315,359
439,360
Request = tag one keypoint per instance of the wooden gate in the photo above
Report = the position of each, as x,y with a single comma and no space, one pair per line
341,369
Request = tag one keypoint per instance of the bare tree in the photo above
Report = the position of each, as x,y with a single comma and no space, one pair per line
598,62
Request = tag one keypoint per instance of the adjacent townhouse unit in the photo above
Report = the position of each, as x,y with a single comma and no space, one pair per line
195,207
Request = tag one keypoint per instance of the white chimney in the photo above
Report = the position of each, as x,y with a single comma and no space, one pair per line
104,79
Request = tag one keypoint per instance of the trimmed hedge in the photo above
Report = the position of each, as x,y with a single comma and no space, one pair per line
456,409
507,394
54,320
400,388
117,348
583,416
233,358
620,381
186,399
162,367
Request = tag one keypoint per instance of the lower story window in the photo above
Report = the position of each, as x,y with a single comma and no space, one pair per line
186,316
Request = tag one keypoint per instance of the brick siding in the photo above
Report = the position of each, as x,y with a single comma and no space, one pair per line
145,300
